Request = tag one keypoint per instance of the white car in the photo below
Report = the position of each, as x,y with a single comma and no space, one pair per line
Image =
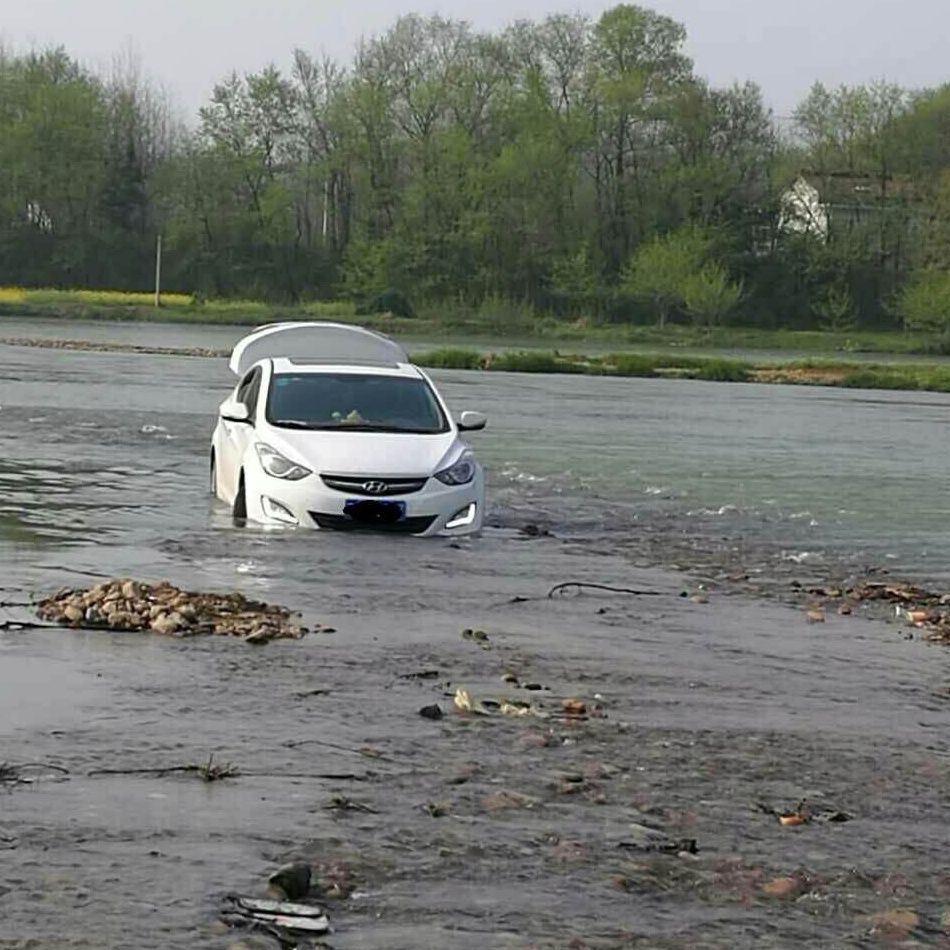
330,426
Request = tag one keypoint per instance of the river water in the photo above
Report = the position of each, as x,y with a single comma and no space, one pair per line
113,446
710,706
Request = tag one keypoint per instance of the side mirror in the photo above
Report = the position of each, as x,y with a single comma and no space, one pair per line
233,411
472,421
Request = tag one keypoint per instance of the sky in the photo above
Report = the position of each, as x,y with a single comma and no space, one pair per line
188,45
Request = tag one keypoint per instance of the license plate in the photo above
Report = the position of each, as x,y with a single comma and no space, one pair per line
371,511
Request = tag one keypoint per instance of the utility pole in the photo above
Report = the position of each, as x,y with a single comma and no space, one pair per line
158,270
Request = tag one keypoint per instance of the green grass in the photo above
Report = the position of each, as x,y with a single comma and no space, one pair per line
175,308
896,376
493,321
663,351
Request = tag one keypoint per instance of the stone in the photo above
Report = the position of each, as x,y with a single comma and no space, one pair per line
782,887
73,614
130,590
166,623
293,879
895,923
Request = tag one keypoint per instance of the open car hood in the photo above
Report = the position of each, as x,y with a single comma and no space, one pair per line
325,342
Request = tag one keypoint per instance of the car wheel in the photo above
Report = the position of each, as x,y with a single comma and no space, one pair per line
239,511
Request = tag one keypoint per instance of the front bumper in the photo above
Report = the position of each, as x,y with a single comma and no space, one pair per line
310,503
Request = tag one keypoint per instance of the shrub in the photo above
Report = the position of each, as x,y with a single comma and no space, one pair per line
924,303
723,371
633,364
449,359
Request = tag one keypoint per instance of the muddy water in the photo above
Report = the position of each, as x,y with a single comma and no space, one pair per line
710,707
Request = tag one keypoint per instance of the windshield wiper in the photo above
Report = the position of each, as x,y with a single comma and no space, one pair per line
292,424
349,427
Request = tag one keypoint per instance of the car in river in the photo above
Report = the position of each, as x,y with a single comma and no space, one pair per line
331,426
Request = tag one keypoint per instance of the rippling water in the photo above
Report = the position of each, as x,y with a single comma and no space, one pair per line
111,447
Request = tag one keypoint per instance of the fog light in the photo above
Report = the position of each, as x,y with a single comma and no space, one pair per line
463,517
277,511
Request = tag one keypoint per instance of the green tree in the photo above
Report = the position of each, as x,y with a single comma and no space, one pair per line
662,270
709,296
924,304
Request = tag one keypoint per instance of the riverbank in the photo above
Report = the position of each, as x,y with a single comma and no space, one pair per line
488,324
928,377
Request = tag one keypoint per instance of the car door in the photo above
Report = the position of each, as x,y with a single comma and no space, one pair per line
237,436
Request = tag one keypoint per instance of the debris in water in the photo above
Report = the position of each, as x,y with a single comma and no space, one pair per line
292,879
127,605
210,772
342,803
464,703
279,915
478,636
434,711
803,814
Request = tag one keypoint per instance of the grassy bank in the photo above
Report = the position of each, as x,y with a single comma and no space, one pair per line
493,321
905,376
175,308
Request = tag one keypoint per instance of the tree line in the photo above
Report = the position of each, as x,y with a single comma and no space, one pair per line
572,166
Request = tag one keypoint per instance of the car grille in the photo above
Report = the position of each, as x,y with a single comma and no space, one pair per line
342,523
379,487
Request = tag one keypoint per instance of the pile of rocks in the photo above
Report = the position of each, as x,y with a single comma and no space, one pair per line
122,604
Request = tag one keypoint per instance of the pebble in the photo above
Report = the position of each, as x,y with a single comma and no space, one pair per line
782,887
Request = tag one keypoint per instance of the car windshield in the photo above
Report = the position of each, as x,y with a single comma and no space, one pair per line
353,401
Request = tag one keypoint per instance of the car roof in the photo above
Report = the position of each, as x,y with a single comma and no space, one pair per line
296,364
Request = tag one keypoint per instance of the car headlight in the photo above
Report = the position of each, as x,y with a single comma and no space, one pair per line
461,473
275,464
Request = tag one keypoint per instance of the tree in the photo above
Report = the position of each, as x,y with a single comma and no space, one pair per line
709,297
661,270
924,303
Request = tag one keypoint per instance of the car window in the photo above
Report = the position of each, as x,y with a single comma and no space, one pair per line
249,389
354,401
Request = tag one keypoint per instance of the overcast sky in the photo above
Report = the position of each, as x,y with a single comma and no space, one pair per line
784,46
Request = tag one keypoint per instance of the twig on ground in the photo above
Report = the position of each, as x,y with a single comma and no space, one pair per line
207,771
296,743
613,590
170,769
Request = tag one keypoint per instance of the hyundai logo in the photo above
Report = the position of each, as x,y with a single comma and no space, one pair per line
374,488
